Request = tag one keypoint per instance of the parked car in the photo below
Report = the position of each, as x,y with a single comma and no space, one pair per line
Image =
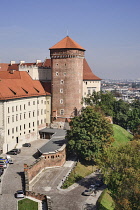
1,171
17,150
26,145
12,152
19,194
3,165
10,161
88,191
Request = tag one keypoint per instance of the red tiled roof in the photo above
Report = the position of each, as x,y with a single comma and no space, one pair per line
13,67
67,43
18,85
87,73
4,66
47,63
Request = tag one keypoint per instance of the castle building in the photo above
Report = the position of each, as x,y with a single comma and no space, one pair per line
40,94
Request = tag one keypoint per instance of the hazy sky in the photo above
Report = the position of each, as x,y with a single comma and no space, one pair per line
109,30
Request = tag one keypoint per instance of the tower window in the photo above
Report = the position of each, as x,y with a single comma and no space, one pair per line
61,90
64,73
62,81
61,101
57,73
62,111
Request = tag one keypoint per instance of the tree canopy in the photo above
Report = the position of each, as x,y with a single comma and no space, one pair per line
127,115
90,132
121,169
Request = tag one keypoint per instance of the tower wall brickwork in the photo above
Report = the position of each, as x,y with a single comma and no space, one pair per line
67,82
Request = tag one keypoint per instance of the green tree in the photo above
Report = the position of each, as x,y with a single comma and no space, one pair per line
89,134
121,169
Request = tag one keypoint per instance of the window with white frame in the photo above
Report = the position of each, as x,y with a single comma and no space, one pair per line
17,117
61,90
12,108
8,110
12,118
62,81
8,120
61,101
61,111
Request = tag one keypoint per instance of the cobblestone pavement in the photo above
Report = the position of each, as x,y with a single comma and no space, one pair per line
47,183
69,199
12,177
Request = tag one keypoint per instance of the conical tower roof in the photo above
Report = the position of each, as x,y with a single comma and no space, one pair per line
67,43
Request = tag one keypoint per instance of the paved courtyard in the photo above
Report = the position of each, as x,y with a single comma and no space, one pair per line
47,183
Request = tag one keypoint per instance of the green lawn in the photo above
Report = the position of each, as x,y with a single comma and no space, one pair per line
105,201
121,136
80,171
27,204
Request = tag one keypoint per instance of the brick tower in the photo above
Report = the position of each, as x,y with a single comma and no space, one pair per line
67,79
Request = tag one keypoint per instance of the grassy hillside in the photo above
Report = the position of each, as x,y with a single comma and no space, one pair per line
121,136
105,202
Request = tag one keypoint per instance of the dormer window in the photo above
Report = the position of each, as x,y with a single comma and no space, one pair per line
36,90
25,91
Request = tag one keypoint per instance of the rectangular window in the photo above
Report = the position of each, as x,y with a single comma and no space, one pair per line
12,130
33,113
20,107
20,117
44,111
16,108
8,131
38,102
24,107
42,101
29,125
12,108
20,127
37,112
8,110
12,118
29,103
45,120
33,102
62,111
16,117
29,114
24,115
33,124
38,122
41,121
16,129
41,111
8,120
24,126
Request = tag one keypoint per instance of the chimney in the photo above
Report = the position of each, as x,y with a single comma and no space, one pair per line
12,62
21,62
38,61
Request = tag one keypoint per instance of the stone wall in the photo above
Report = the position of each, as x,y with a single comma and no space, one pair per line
52,159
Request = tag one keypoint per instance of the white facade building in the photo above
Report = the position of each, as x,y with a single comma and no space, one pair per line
24,109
